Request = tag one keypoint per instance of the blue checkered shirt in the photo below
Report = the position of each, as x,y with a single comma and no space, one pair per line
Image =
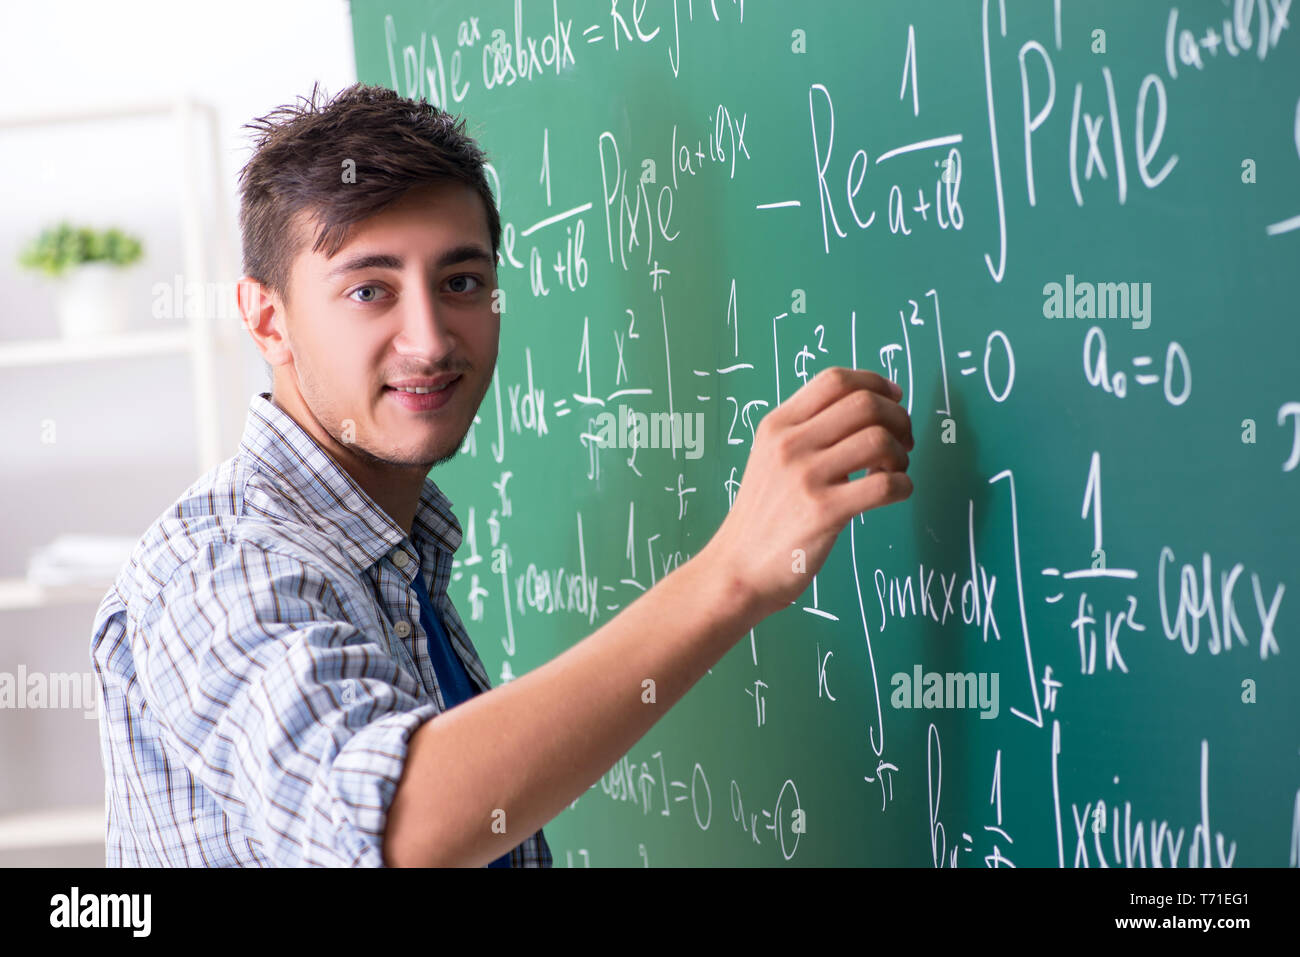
262,664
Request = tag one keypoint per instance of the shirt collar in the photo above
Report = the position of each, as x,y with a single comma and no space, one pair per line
331,499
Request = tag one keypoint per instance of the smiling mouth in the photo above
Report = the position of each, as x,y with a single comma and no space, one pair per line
424,391
424,400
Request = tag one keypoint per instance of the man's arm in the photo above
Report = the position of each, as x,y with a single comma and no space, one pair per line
530,747
247,673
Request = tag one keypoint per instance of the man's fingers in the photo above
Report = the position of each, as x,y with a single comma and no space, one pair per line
851,413
871,491
870,448
825,388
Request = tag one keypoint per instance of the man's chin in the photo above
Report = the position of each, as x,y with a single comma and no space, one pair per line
426,455
407,459
424,460
442,459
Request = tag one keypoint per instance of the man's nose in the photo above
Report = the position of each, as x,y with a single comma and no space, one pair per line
425,331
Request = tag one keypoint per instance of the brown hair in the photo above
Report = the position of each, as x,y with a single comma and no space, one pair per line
298,164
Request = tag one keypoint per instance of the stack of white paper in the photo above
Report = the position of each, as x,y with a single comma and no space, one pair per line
79,560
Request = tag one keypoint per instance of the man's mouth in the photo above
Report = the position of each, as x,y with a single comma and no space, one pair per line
423,398
422,390
424,384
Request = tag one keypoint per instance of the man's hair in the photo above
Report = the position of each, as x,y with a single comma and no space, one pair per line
299,164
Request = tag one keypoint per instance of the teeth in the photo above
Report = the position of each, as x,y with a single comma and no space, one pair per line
422,391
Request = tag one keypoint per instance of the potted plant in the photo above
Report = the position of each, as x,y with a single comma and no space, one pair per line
88,267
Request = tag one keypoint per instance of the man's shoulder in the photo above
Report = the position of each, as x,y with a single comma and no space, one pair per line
234,520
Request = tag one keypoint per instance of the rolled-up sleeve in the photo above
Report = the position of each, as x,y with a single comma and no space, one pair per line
295,720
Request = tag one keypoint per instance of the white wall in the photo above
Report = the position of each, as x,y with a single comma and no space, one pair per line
125,446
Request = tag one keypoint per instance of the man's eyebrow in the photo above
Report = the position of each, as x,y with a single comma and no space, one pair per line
466,252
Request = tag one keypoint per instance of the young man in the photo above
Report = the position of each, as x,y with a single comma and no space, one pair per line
282,668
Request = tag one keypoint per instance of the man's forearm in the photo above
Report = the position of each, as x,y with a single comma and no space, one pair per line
529,748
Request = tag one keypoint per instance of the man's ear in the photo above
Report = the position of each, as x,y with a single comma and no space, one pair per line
263,315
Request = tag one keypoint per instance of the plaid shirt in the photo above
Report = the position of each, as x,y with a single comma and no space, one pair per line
263,666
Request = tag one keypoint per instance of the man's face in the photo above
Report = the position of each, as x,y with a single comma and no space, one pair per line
406,301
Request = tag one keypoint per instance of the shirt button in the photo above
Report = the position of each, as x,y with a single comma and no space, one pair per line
403,628
400,558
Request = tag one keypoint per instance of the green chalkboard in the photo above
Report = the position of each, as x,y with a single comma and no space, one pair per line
1071,233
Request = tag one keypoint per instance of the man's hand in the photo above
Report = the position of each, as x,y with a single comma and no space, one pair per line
795,492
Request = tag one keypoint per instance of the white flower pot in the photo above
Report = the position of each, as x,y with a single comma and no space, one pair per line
91,300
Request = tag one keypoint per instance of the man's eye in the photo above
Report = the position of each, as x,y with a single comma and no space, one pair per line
374,297
471,279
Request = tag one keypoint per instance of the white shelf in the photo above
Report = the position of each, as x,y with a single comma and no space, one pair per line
18,593
201,338
81,113
35,352
61,827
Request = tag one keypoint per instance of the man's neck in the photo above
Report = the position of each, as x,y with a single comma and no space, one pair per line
395,490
